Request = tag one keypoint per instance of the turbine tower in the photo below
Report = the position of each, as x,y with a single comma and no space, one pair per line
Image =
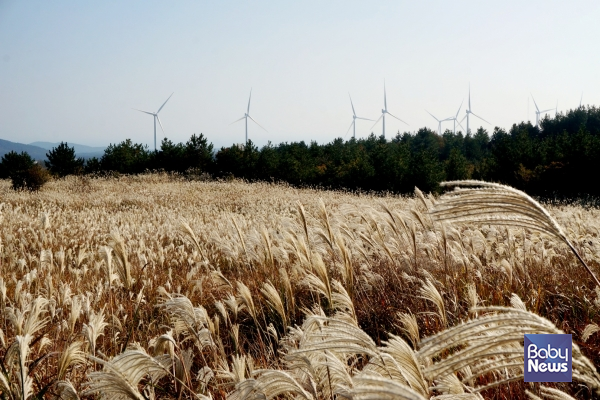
155,115
439,121
354,118
385,111
469,112
246,116
538,112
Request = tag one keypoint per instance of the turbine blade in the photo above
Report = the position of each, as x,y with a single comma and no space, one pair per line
257,123
384,97
237,120
580,99
353,112
459,124
432,116
161,127
161,107
544,111
147,112
396,118
352,123
479,117
469,96
249,98
366,119
463,118
461,103
536,107
381,116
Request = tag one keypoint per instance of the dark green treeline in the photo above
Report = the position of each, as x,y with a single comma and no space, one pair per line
559,159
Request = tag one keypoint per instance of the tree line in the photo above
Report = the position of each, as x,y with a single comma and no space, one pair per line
557,159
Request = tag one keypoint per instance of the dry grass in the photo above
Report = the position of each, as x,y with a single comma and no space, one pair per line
153,287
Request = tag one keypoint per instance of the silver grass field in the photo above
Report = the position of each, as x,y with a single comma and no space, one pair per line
152,286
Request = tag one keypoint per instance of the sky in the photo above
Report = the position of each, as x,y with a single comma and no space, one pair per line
74,70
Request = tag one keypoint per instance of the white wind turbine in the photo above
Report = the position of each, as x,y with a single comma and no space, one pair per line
439,121
468,111
538,112
385,111
246,116
354,118
156,118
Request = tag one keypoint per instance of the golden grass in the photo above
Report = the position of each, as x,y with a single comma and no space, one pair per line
154,287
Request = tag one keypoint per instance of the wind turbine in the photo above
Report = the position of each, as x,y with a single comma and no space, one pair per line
580,99
246,116
468,111
538,112
455,118
354,118
439,121
156,118
385,111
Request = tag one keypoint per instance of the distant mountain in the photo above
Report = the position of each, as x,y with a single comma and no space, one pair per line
81,150
36,152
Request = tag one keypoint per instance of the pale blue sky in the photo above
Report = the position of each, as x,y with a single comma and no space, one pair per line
72,70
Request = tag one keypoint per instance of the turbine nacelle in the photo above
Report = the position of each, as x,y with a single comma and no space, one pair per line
439,121
247,116
354,118
468,112
385,111
155,115
538,113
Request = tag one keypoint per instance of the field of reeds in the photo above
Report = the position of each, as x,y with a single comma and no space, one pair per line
151,286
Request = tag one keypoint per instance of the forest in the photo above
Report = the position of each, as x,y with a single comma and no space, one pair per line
548,161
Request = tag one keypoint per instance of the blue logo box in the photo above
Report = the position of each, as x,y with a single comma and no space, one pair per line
548,358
